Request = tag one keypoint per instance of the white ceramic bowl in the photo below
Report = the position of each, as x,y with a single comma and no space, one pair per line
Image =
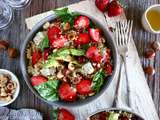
15,95
145,23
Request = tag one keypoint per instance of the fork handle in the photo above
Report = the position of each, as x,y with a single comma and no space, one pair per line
124,58
117,99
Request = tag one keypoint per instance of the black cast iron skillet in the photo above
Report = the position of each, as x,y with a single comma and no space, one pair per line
23,62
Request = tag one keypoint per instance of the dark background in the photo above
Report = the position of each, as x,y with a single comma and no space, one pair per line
17,32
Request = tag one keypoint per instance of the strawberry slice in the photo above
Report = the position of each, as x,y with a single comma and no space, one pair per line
108,68
84,87
102,4
37,80
82,39
53,32
114,8
59,42
64,114
46,53
81,22
95,34
36,55
66,92
93,54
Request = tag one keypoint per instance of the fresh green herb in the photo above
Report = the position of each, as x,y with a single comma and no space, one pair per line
54,115
65,15
85,47
48,90
92,25
44,43
98,80
63,52
113,116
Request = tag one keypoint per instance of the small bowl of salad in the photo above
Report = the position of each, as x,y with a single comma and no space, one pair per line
68,58
114,114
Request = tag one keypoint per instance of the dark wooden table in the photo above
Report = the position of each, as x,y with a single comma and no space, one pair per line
17,32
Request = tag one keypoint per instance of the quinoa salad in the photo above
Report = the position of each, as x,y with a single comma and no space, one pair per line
68,58
114,115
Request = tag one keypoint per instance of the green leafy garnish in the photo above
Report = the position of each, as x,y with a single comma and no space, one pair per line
44,43
113,116
98,80
54,115
65,15
48,90
51,63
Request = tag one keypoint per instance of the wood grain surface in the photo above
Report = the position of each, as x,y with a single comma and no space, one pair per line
17,32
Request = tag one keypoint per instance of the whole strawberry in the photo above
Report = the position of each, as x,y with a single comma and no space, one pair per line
102,4
115,8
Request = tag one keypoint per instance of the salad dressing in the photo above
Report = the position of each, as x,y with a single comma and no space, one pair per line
153,17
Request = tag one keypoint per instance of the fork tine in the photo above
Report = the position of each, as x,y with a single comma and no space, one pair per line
130,31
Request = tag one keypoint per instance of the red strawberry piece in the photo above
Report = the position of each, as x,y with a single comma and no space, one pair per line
37,80
102,4
95,34
59,42
81,22
36,55
46,53
84,87
93,54
53,32
114,8
82,39
108,68
64,114
66,92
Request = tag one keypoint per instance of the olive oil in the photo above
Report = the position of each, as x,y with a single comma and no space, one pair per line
153,17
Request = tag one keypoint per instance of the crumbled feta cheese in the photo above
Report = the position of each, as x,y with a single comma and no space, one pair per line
47,71
46,25
87,68
38,38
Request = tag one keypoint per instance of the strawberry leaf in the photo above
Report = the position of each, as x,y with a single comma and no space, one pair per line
123,3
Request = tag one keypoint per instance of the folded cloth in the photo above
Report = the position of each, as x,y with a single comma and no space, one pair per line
22,114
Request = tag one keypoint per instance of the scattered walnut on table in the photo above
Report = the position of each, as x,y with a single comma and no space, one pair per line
4,44
12,52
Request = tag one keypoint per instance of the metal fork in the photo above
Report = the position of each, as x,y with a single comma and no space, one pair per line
123,35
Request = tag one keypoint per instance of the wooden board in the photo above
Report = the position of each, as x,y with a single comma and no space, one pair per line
17,32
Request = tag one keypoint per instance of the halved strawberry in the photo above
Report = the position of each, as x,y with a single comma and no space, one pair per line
36,55
37,80
93,54
114,8
59,42
82,39
95,34
53,32
81,22
108,68
46,53
64,114
66,92
84,87
102,4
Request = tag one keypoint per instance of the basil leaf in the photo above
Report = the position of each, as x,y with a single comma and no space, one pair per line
113,116
44,43
65,15
98,80
77,52
54,114
60,12
48,90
